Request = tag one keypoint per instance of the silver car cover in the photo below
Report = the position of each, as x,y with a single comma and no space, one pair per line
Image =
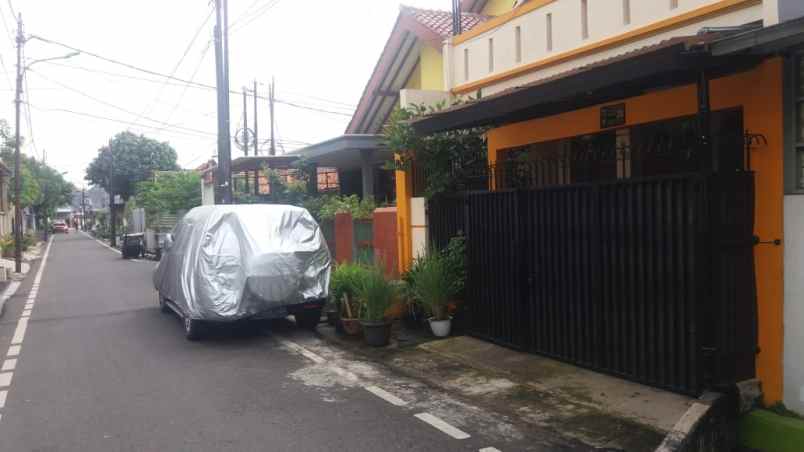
229,262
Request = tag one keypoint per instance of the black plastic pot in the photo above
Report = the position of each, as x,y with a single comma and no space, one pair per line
377,334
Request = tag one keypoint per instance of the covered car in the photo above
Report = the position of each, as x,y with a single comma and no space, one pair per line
233,262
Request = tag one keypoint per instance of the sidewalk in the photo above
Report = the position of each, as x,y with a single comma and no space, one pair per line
596,409
10,287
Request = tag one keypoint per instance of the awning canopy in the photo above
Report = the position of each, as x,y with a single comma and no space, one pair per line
762,41
674,62
344,152
256,163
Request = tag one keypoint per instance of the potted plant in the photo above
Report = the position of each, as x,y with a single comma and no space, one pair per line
343,289
439,278
376,295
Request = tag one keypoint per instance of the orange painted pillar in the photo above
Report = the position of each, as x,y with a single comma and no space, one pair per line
404,190
385,240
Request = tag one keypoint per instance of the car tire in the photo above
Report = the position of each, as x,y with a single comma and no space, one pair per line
308,319
192,329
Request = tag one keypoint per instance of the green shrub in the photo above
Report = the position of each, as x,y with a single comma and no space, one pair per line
327,206
7,245
376,294
345,280
436,279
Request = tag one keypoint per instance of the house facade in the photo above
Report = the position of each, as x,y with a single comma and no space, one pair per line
588,93
6,208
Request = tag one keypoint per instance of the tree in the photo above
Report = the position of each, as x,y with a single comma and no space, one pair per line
445,158
169,192
43,188
136,158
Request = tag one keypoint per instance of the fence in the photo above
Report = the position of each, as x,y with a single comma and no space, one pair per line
649,279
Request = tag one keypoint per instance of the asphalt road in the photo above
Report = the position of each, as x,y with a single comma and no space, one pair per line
100,368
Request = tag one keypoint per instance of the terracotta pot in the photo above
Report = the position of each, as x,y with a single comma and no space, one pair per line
351,326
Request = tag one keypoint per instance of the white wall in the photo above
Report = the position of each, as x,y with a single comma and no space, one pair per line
418,226
605,21
207,193
794,302
408,97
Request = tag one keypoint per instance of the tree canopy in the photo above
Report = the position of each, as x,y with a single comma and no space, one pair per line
136,158
43,188
169,192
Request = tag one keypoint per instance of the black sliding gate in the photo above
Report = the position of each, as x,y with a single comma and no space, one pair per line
651,279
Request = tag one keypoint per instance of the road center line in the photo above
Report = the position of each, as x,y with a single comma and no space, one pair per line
5,379
385,395
9,364
489,449
442,425
3,395
14,350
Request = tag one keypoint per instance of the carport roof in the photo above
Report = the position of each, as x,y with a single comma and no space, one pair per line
343,152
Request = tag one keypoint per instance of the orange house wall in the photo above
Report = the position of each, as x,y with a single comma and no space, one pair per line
759,92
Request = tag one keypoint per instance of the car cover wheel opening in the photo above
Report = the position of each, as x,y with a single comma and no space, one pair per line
192,328
163,304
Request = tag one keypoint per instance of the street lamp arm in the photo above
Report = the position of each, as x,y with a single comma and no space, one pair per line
63,57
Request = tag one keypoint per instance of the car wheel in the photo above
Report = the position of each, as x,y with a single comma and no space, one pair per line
192,329
308,319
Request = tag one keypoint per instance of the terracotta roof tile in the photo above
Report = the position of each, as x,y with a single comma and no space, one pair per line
440,22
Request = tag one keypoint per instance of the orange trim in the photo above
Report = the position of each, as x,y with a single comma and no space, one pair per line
643,32
495,22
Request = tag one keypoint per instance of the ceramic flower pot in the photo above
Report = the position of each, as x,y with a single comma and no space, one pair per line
441,328
377,334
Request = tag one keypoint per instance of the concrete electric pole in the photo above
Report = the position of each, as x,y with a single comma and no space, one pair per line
17,171
223,183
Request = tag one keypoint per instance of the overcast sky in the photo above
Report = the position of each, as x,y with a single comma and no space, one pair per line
321,53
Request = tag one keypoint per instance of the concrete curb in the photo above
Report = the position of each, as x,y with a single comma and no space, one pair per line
704,423
8,293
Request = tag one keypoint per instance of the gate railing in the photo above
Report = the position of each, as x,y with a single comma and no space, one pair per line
650,279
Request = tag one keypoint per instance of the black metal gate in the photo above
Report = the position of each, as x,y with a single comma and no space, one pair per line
650,279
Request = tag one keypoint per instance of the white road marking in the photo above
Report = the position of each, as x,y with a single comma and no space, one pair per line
3,395
489,449
5,379
9,364
14,350
442,425
102,243
26,313
19,333
302,351
385,395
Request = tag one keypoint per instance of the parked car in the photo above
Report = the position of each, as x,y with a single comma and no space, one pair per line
60,227
228,263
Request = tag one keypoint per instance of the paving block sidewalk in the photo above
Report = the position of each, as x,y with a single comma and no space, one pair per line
599,410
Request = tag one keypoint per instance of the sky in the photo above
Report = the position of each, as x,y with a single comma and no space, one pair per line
319,52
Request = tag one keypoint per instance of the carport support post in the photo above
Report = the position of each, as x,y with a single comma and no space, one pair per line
704,120
367,172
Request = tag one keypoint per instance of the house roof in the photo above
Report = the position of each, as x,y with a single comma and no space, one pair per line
669,63
414,27
344,152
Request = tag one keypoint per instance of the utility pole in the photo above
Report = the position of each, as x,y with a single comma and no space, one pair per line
256,142
245,132
112,213
83,209
271,89
17,171
223,183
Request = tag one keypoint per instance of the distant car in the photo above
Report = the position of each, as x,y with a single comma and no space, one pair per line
227,263
60,227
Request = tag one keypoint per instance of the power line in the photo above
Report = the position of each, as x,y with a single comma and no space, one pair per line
187,82
178,64
257,14
104,118
192,78
11,8
164,125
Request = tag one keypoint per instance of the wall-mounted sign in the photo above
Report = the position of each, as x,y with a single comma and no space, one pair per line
612,116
